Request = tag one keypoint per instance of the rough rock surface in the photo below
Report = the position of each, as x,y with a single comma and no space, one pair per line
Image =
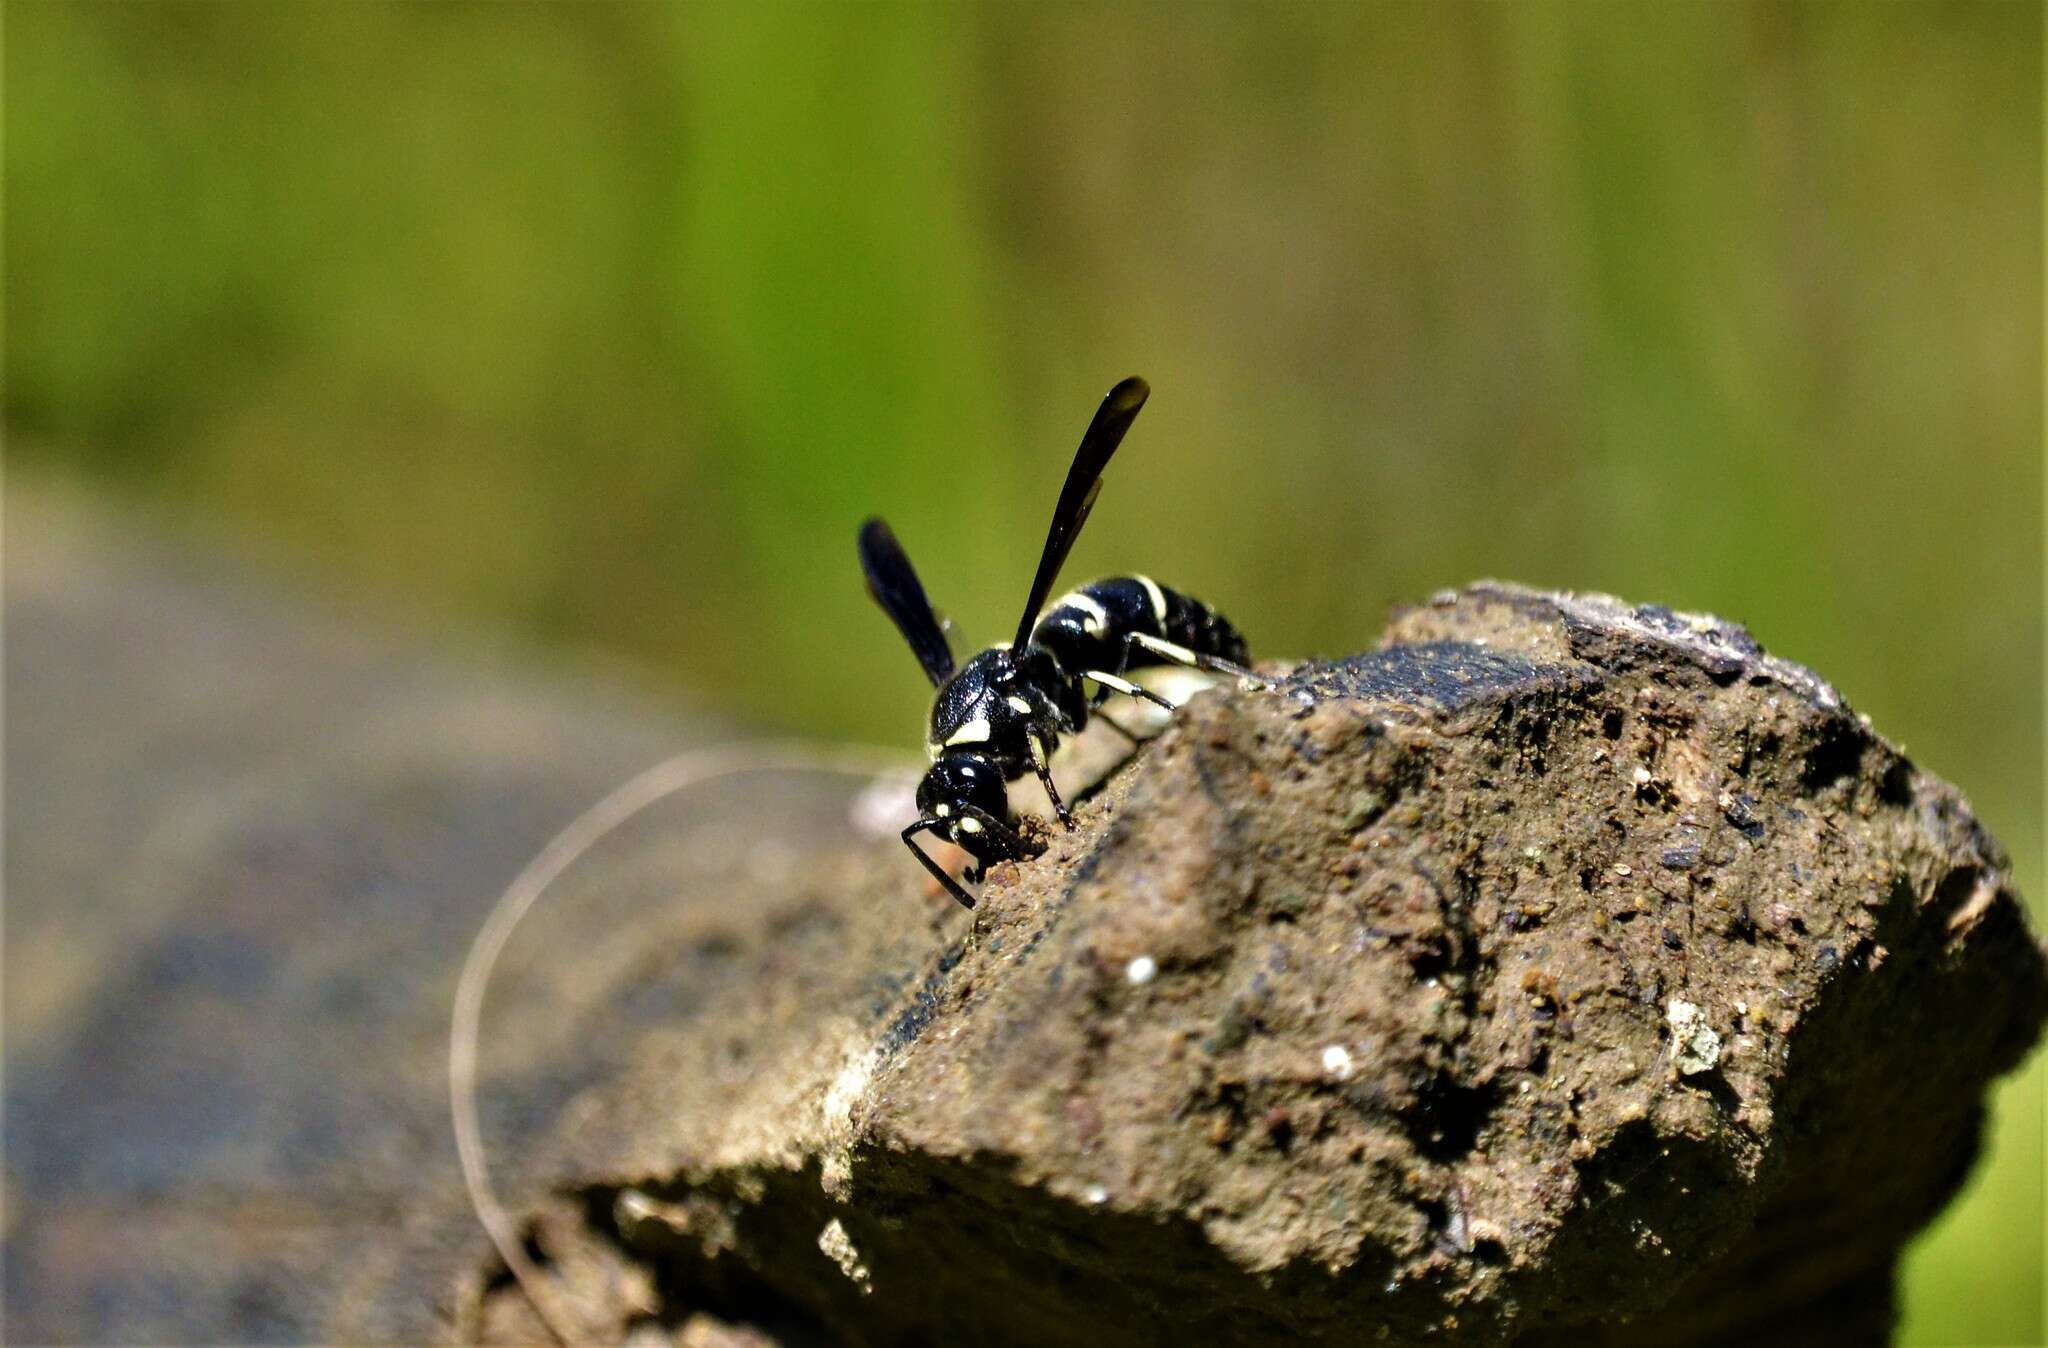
1560,972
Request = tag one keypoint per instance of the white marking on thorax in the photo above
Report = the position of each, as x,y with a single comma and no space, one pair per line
970,825
975,731
1017,704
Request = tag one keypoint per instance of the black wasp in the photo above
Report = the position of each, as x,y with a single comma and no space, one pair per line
1002,713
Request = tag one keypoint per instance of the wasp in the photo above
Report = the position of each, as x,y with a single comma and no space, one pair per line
1003,713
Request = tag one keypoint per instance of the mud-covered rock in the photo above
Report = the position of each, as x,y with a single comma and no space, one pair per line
1560,970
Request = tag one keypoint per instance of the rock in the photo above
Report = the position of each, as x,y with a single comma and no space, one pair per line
1560,972
1343,1012
247,845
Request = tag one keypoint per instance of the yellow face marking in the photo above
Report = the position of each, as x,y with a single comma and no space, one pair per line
1017,704
974,732
970,825
1157,596
942,809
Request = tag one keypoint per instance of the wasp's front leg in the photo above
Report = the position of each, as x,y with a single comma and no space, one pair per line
1041,763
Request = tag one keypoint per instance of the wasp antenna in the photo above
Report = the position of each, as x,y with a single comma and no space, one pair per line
927,824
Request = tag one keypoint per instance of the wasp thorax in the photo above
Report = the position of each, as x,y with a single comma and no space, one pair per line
998,701
970,704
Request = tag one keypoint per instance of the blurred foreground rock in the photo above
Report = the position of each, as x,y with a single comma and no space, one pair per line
246,846
1560,973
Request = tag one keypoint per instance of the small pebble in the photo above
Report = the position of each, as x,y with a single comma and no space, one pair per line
1337,1062
1140,971
1695,1046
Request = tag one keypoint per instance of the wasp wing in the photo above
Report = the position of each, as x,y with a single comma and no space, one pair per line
1084,484
893,581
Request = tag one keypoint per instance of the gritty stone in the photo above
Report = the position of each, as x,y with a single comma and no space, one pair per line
1681,858
1695,1047
1411,1109
1140,971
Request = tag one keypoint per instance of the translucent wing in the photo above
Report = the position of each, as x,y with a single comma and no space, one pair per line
1084,483
894,584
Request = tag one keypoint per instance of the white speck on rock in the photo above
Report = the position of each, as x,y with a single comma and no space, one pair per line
1337,1062
1641,776
838,1247
1096,1195
1140,971
1695,1045
840,1097
633,1207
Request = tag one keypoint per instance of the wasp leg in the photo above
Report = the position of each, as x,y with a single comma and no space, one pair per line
1014,845
1122,685
1041,764
939,872
1181,655
1104,688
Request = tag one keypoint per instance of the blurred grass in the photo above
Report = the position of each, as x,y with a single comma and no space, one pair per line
606,324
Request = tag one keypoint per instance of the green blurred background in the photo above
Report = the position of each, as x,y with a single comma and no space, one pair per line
603,325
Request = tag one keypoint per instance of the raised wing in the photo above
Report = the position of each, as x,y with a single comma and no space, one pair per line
1077,498
894,584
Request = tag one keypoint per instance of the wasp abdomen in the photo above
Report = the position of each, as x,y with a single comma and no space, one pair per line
1090,628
